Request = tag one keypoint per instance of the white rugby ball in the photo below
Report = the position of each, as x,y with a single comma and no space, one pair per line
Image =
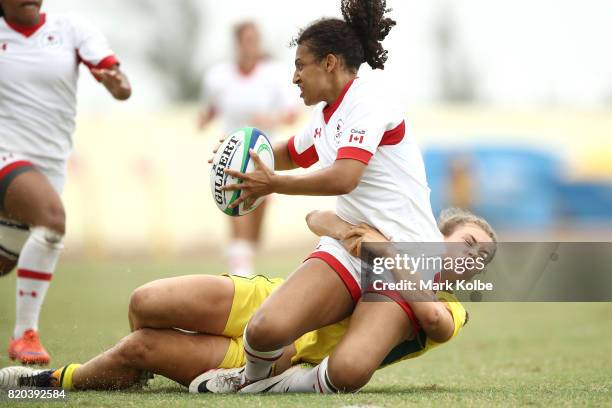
234,154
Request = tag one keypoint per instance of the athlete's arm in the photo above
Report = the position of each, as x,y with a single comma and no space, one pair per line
282,158
115,81
328,224
433,316
340,178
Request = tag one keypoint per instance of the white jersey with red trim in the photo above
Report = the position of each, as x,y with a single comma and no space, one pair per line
392,195
38,83
236,97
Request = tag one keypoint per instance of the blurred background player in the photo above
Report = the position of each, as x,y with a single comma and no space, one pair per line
252,91
39,56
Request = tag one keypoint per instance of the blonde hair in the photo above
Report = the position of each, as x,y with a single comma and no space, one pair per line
453,218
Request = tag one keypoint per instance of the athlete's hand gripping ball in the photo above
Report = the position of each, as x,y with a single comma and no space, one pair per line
256,184
238,164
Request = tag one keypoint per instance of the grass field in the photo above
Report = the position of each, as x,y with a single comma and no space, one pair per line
508,354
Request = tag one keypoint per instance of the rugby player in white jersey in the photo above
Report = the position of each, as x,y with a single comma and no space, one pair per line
39,57
250,91
376,169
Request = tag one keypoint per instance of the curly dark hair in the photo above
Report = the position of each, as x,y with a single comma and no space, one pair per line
357,38
1,12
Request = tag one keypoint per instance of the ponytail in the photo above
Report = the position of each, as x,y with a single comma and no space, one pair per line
367,19
356,38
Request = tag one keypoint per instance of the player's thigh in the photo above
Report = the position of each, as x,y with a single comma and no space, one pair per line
312,297
200,303
376,327
171,353
31,199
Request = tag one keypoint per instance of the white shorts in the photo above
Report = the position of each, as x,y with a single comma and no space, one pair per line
346,265
348,268
14,234
54,170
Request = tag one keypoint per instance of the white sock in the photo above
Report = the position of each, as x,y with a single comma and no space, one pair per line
239,255
35,268
259,363
311,380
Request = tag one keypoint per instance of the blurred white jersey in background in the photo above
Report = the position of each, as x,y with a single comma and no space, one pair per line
237,97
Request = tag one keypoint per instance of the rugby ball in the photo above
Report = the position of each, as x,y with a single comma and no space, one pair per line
234,154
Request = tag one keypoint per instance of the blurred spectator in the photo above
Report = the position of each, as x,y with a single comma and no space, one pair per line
249,91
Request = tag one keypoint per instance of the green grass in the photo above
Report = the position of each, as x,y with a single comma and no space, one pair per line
509,354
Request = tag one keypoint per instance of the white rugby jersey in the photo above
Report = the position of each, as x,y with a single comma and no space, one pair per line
236,97
38,83
393,195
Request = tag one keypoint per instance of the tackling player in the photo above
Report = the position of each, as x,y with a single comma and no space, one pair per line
39,56
218,308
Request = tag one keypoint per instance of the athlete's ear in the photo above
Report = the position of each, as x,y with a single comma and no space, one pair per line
331,61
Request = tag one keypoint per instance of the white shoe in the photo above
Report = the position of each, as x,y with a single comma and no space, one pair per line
10,376
275,385
219,381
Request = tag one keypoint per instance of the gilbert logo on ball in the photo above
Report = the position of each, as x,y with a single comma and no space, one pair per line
234,154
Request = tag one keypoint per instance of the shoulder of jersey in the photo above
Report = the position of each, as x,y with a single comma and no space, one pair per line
373,96
366,89
364,93
70,18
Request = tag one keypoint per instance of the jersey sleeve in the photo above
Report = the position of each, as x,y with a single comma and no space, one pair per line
302,147
365,130
91,45
361,135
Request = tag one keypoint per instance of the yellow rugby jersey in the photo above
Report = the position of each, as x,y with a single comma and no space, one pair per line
421,343
318,344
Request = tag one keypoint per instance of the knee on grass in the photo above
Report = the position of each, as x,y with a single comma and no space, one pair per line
349,373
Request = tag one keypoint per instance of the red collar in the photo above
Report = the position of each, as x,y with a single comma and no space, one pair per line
27,30
329,110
